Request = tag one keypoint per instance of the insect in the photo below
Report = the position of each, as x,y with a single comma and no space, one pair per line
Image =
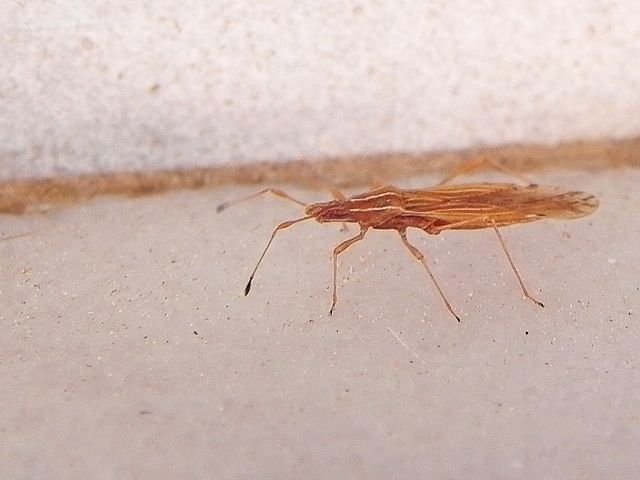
468,206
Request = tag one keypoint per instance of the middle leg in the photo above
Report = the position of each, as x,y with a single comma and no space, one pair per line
418,254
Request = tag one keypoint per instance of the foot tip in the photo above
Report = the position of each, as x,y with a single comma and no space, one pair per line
537,302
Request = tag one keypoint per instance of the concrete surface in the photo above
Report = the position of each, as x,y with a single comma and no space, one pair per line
110,86
128,350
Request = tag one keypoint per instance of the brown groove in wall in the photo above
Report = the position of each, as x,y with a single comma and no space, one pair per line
23,196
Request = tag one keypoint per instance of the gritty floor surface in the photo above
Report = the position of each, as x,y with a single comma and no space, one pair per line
127,348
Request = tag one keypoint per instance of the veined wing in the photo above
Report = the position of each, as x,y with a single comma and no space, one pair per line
503,203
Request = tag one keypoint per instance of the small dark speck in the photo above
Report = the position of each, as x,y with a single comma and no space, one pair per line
195,333
144,412
155,88
146,336
526,332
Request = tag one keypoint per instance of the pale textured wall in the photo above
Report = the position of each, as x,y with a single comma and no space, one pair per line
112,85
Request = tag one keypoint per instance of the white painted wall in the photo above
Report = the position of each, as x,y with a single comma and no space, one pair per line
112,85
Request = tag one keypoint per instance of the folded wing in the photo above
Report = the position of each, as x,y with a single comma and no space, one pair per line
473,205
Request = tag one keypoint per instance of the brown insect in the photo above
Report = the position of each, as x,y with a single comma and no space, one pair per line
443,207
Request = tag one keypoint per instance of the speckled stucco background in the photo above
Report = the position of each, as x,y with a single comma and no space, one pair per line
89,86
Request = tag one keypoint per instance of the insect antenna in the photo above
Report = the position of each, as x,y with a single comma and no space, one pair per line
278,193
282,226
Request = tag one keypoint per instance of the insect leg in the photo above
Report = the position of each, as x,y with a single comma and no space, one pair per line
418,254
479,163
337,251
278,228
338,195
275,191
513,266
376,184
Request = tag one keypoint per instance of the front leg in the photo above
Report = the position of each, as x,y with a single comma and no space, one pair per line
337,251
